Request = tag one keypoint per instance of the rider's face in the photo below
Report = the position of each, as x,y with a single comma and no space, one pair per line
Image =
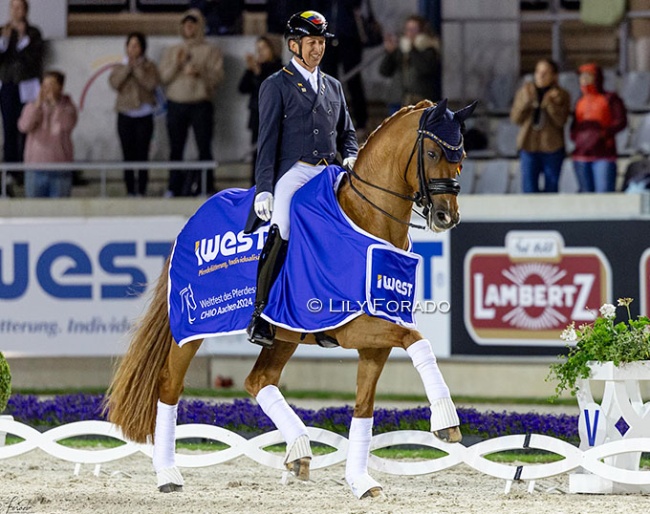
313,49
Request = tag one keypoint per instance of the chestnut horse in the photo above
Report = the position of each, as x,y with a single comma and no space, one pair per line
406,160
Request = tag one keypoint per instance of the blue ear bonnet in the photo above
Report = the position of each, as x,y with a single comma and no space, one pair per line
444,127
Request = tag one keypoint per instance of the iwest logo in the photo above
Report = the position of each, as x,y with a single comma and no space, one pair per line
228,244
394,284
83,267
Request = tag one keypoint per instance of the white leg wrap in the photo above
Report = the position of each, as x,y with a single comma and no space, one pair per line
164,447
298,450
274,405
169,476
443,411
356,466
443,414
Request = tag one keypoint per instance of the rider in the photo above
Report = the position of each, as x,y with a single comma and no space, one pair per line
304,122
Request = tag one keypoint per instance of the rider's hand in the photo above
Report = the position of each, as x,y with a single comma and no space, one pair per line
264,205
348,162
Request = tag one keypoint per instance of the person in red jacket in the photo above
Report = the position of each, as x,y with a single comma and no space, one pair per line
599,116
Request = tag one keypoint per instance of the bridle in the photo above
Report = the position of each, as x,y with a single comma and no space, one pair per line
427,188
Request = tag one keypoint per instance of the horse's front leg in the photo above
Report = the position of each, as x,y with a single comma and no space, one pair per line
371,364
367,332
262,384
170,388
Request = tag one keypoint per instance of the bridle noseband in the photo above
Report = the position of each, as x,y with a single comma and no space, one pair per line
427,188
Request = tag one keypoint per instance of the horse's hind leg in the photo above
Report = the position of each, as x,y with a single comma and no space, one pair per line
371,364
170,388
262,383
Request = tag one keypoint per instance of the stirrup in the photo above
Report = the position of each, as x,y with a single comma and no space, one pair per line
260,331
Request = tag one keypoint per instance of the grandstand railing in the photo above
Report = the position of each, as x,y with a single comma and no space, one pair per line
104,167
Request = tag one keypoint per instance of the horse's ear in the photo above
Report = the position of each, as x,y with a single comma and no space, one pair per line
438,110
465,112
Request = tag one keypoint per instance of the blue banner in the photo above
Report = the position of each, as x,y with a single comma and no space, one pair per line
213,269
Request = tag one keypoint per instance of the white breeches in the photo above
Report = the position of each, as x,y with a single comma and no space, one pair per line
297,176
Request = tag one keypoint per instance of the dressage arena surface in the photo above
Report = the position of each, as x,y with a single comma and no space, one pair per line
36,483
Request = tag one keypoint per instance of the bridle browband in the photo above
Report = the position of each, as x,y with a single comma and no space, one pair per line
427,188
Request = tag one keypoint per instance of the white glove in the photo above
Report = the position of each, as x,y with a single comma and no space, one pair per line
348,162
264,205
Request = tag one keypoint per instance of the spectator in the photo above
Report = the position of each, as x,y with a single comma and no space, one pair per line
599,116
258,67
415,58
21,67
135,81
346,50
190,72
541,108
48,124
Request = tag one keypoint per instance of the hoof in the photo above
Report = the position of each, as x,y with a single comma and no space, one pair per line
449,435
365,486
300,468
170,488
374,492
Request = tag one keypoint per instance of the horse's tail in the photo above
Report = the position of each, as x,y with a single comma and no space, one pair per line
132,397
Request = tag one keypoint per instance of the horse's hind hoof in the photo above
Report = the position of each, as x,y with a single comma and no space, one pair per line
300,468
170,488
449,435
374,492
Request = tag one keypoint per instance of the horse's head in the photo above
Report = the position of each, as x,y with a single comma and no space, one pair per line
435,162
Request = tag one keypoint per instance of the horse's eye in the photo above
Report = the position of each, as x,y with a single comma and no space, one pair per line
433,155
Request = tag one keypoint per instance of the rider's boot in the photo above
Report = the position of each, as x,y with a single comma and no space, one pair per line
271,260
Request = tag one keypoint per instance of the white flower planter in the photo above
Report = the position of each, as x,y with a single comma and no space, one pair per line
602,423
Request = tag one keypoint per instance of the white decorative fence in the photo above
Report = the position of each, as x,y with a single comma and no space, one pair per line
589,461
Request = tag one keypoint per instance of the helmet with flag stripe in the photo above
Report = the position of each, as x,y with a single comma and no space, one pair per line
307,23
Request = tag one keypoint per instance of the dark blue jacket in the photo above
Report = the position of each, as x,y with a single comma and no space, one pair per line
296,124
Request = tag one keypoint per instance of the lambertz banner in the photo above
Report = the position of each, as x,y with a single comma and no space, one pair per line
517,285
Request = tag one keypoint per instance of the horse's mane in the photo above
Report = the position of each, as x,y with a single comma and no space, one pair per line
423,104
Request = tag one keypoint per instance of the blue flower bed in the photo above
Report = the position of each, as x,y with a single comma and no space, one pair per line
245,416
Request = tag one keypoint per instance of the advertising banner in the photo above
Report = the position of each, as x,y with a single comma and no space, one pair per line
72,286
516,286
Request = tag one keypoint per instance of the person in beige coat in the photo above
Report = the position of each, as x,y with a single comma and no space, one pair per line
541,109
135,81
190,72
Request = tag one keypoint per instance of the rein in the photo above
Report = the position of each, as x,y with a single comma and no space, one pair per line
422,197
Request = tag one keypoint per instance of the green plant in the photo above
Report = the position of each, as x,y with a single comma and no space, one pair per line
600,341
5,382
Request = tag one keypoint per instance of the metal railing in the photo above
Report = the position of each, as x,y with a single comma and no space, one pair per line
103,167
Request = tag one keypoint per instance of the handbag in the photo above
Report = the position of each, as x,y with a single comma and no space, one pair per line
370,30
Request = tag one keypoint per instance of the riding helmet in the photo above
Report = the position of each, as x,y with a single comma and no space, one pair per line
307,23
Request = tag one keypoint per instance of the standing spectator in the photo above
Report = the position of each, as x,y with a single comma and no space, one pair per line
599,116
258,67
21,67
135,81
48,124
415,58
346,50
190,72
541,108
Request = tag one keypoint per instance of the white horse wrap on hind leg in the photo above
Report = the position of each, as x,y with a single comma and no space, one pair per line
443,411
293,430
164,448
356,466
